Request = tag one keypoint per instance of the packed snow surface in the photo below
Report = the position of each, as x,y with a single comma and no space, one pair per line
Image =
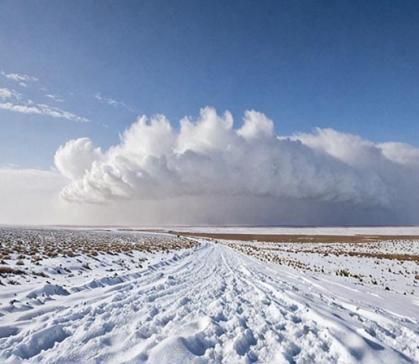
207,304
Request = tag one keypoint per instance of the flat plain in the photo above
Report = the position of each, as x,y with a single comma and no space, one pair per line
127,296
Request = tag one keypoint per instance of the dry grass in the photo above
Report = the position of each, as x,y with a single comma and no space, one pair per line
38,244
337,252
9,270
273,238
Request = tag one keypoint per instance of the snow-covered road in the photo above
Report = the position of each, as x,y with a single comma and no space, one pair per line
213,304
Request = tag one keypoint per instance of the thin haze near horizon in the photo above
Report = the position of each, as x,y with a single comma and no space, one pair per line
260,113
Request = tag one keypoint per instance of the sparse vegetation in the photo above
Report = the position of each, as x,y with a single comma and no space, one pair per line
9,270
22,249
368,261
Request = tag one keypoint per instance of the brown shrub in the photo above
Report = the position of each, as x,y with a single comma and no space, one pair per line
9,270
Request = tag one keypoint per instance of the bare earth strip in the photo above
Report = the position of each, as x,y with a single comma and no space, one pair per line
285,238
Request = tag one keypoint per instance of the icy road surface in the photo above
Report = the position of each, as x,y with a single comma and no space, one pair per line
211,304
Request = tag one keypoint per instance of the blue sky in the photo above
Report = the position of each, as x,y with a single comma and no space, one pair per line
349,65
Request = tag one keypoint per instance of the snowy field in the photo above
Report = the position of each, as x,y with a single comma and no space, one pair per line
373,230
109,296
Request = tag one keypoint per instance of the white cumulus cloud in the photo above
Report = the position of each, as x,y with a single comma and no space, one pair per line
212,170
81,149
208,158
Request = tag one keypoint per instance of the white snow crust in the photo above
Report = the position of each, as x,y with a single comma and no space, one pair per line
208,304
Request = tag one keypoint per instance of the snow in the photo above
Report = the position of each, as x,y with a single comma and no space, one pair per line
47,290
348,231
378,263
211,303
